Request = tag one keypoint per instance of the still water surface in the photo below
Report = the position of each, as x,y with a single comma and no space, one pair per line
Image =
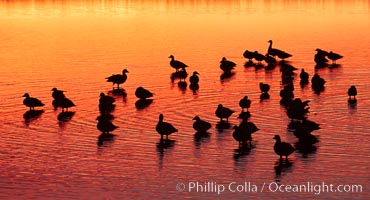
75,45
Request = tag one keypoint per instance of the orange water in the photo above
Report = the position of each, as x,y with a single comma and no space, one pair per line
75,45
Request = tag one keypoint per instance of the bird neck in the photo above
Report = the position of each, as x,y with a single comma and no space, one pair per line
270,46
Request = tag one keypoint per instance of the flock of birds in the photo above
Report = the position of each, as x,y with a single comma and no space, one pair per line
296,109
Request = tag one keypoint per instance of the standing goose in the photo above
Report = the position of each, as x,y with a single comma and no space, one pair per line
104,99
245,103
282,148
118,78
194,79
304,77
227,65
264,87
143,93
176,64
249,55
223,112
164,128
334,57
57,94
317,82
201,125
277,52
259,57
352,91
320,57
31,102
66,103
241,135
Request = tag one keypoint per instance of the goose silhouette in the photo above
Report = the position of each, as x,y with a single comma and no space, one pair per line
259,57
66,103
277,52
118,78
227,65
57,94
223,112
241,135
264,87
317,82
248,55
182,74
176,64
282,148
304,77
352,92
31,102
271,61
245,103
164,128
320,57
194,79
201,125
334,57
104,99
143,93
105,126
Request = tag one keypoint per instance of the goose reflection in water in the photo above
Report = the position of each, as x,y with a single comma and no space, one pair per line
65,116
32,115
281,167
105,139
201,137
143,103
162,147
242,151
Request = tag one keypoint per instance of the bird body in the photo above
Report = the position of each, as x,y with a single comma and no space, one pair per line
334,57
282,148
176,64
194,79
264,87
65,103
227,65
259,57
57,94
31,102
241,135
118,78
223,112
201,125
248,55
304,76
277,52
320,57
143,93
104,99
317,81
352,91
164,128
245,103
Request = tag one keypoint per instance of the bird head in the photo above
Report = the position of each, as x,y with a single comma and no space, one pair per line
125,71
102,94
26,95
235,127
277,137
161,117
171,56
195,72
54,89
196,118
270,41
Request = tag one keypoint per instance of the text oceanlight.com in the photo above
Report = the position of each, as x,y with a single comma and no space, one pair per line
249,187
